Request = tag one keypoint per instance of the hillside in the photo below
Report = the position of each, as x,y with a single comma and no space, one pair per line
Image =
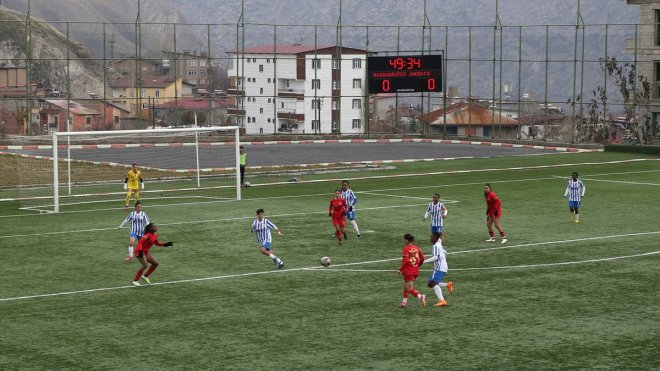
88,18
49,53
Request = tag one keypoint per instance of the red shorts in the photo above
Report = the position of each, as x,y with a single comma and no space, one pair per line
339,220
410,275
495,214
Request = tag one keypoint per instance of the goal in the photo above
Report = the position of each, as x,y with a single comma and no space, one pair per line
83,170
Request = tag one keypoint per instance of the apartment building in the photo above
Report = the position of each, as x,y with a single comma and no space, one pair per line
192,66
298,89
647,50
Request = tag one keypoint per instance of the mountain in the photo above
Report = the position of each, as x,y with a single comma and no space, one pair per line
296,20
87,20
49,53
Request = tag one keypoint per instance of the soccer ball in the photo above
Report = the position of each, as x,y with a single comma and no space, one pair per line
325,261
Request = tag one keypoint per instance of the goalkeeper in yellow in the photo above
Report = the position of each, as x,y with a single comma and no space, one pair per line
133,183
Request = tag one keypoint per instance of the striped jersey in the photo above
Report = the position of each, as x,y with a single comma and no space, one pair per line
441,263
138,222
575,190
349,196
262,229
436,212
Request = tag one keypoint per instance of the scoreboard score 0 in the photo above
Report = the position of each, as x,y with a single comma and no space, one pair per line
405,74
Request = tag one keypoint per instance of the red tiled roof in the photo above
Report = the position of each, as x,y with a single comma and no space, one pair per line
464,113
73,106
128,81
194,103
290,49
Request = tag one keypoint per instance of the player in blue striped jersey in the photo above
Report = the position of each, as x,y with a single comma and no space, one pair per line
575,191
138,220
439,260
261,227
438,212
351,200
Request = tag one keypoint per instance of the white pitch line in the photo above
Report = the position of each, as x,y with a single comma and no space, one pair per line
620,181
201,221
575,262
314,268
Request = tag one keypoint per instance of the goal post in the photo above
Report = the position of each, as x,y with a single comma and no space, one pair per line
198,164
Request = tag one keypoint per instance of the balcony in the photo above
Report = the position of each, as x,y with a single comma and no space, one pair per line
234,111
291,93
232,90
291,116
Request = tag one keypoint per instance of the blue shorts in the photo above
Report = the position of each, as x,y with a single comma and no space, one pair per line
437,276
350,215
436,229
266,245
574,204
133,235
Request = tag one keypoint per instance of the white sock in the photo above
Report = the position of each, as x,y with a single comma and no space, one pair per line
357,230
275,258
438,292
130,250
405,300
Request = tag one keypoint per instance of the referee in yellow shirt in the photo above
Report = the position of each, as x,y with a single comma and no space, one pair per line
131,185
242,163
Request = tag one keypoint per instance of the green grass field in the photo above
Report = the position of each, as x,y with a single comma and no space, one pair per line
559,295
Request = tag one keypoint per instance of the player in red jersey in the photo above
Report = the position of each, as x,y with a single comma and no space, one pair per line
337,211
493,213
412,259
149,239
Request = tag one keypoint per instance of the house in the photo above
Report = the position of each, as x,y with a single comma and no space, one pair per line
470,119
53,114
298,88
140,96
128,66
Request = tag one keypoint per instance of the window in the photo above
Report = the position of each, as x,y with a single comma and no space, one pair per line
316,124
316,63
335,64
143,93
270,100
145,105
261,68
316,104
270,80
88,121
656,86
357,84
202,82
157,93
202,63
261,130
282,103
357,124
254,60
357,63
335,126
269,120
316,84
335,84
192,63
249,60
357,103
261,90
116,119
267,60
261,110
335,104
657,26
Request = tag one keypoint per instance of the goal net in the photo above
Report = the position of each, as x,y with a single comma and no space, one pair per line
83,170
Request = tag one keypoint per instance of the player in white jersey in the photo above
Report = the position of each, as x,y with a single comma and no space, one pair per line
351,200
139,220
438,212
261,227
439,260
575,191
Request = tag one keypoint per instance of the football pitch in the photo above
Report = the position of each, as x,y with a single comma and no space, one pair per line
558,295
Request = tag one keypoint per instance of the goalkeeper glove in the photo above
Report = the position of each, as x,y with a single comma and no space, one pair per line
142,185
167,244
125,186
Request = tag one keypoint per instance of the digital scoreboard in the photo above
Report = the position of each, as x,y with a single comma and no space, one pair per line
405,74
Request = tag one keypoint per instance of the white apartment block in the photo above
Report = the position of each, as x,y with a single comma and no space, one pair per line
298,89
